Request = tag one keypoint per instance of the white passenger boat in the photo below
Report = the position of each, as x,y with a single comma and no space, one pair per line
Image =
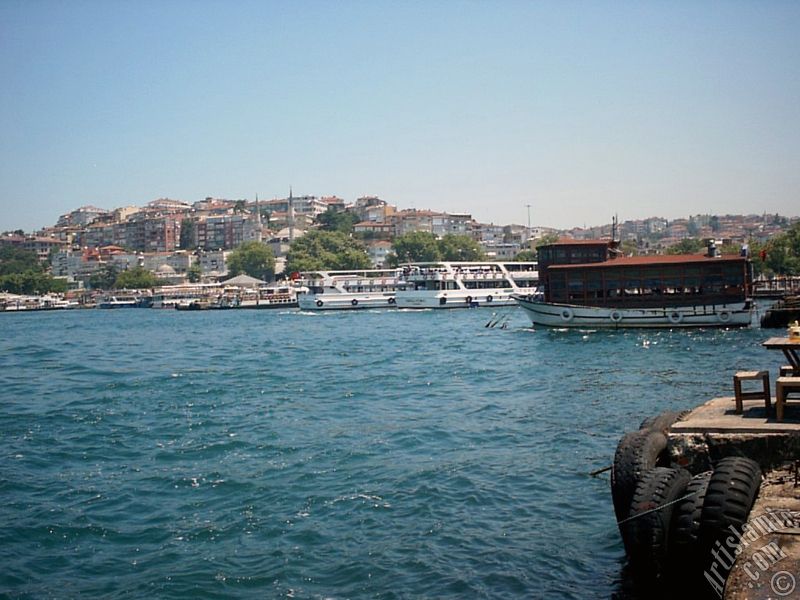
261,298
466,284
587,285
350,290
118,301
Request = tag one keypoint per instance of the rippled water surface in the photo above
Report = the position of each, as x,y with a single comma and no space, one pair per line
351,455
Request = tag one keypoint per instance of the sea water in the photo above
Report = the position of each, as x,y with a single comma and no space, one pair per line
377,454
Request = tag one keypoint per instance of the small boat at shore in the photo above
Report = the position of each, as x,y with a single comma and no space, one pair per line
264,297
118,301
587,284
194,304
466,284
170,296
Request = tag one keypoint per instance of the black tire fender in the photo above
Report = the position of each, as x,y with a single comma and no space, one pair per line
731,493
686,525
646,534
637,452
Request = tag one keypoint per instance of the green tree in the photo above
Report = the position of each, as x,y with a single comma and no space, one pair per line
104,277
782,253
137,278
329,250
188,228
253,258
629,248
31,282
546,240
526,256
459,247
195,273
239,206
729,249
57,285
417,246
333,220
687,246
17,260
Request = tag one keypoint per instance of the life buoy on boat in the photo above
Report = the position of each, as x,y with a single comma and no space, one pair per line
615,316
354,302
489,298
319,303
567,315
675,317
724,315
468,299
392,300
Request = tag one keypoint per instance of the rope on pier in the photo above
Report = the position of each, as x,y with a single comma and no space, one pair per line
657,508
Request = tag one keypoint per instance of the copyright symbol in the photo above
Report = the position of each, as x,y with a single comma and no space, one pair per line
782,583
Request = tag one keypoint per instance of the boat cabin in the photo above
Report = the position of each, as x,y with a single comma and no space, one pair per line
593,274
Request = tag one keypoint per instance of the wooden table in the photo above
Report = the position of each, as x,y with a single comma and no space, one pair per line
790,350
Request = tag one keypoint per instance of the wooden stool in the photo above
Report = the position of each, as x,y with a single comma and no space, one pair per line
787,371
783,388
762,394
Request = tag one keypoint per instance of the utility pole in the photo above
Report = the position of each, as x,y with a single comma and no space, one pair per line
291,216
529,224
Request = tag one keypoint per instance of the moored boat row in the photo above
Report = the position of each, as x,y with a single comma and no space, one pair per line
434,285
575,284
26,303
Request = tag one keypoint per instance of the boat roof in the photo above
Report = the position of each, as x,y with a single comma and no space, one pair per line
465,263
661,259
573,242
350,273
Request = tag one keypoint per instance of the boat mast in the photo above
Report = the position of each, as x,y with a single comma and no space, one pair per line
613,246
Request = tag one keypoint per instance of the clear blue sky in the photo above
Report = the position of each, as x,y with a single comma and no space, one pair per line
580,109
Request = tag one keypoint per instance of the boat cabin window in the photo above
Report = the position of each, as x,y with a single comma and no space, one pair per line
669,284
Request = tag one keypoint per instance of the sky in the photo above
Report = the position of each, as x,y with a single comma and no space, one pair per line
579,109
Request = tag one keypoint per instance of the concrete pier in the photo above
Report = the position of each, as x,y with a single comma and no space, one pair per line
768,565
713,431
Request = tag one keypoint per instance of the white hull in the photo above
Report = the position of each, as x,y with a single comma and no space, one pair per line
466,284
334,301
117,305
567,315
455,298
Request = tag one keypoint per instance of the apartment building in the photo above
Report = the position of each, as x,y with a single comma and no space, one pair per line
226,232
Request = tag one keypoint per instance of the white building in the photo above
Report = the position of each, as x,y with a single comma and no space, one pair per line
377,252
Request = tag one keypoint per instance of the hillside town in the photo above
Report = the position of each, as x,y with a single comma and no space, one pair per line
169,238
